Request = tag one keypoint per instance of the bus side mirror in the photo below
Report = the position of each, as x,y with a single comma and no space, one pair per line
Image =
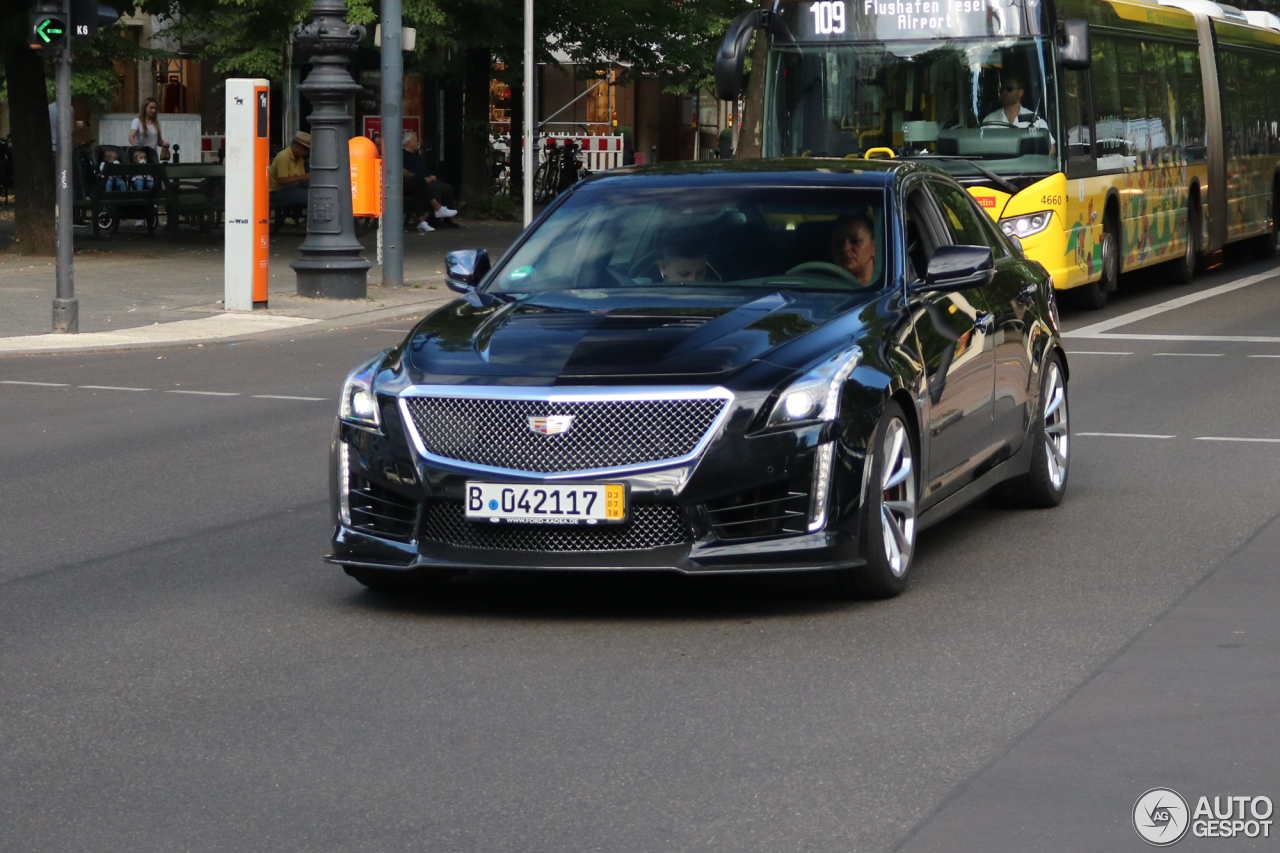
732,55
1073,51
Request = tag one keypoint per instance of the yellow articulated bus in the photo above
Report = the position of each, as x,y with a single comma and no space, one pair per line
1106,135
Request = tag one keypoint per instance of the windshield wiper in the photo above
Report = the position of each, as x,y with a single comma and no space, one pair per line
1006,185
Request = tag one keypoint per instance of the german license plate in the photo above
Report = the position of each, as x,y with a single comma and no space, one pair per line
546,504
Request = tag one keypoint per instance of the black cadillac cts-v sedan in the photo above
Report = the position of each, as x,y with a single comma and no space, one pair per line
741,367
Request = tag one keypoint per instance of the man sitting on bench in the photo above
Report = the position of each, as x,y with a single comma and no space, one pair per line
287,177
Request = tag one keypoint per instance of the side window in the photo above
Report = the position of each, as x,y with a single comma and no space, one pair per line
959,215
1188,123
920,224
1109,124
1078,113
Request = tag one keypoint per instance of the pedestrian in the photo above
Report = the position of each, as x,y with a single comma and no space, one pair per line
144,131
420,181
287,178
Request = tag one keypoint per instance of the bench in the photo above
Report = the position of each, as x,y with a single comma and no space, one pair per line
194,191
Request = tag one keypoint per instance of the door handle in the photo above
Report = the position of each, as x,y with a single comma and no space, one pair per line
984,322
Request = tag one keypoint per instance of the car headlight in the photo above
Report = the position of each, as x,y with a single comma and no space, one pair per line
359,405
1026,224
816,395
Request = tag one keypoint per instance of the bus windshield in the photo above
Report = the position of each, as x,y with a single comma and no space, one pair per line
984,100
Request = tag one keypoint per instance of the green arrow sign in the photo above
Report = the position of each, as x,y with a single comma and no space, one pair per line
49,29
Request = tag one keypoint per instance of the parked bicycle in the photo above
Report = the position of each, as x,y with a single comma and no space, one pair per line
561,170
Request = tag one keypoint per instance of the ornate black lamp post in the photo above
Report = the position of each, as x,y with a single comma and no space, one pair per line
331,266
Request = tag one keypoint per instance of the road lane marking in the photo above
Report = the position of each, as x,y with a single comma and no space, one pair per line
397,331
1096,330
1223,438
1264,356
1193,354
1095,352
167,391
1124,434
286,397
1212,339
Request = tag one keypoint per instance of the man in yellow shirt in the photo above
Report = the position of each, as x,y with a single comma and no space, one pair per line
287,177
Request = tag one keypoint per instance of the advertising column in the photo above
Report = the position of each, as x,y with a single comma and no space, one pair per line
247,214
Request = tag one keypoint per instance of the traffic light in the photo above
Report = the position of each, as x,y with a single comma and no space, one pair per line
47,30
87,17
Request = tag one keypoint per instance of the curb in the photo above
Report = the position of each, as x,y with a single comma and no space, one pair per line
303,325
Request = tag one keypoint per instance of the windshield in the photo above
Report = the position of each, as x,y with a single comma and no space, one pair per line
977,99
692,237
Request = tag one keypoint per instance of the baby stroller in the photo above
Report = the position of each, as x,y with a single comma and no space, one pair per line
124,189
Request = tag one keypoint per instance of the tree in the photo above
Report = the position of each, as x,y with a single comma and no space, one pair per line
33,167
750,145
29,80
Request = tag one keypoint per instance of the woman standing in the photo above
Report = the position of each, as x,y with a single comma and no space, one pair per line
145,129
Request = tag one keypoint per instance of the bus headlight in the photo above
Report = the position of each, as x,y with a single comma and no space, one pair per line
1026,224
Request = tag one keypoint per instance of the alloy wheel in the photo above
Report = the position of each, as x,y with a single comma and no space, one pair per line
1057,437
898,503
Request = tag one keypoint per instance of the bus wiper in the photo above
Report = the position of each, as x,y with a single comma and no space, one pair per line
1006,185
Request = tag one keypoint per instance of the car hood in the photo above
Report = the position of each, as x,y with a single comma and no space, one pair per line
644,332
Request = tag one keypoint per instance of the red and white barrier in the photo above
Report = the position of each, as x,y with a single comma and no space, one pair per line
597,153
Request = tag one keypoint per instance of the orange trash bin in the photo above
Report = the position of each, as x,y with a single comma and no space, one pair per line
366,177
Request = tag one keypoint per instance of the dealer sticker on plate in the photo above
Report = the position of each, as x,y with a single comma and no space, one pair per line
538,504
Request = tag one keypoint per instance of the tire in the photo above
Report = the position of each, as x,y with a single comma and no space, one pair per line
1045,482
1184,269
105,222
889,517
541,179
365,225
1093,295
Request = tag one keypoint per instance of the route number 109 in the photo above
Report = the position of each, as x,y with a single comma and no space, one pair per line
828,17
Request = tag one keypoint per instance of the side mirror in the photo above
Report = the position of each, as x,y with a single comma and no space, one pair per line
464,269
732,55
1073,51
958,268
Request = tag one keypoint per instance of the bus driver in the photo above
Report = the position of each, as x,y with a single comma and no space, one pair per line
1013,113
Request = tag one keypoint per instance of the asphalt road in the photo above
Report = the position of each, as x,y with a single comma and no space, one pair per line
180,671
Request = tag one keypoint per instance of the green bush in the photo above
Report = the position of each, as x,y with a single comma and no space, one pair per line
502,208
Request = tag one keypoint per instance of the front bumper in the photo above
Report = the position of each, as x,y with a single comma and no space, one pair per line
733,467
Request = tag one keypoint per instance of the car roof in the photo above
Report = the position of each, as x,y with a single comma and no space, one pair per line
794,172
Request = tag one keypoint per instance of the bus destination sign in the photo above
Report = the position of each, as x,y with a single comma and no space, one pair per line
884,20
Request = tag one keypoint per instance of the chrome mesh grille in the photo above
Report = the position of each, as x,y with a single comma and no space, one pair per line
605,433
651,526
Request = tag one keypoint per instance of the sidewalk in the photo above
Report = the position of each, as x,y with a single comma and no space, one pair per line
139,290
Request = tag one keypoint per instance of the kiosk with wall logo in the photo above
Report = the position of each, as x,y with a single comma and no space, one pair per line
247,209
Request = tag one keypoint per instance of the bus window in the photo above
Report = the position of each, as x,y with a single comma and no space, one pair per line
1232,109
1078,130
1108,119
1189,116
1156,59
